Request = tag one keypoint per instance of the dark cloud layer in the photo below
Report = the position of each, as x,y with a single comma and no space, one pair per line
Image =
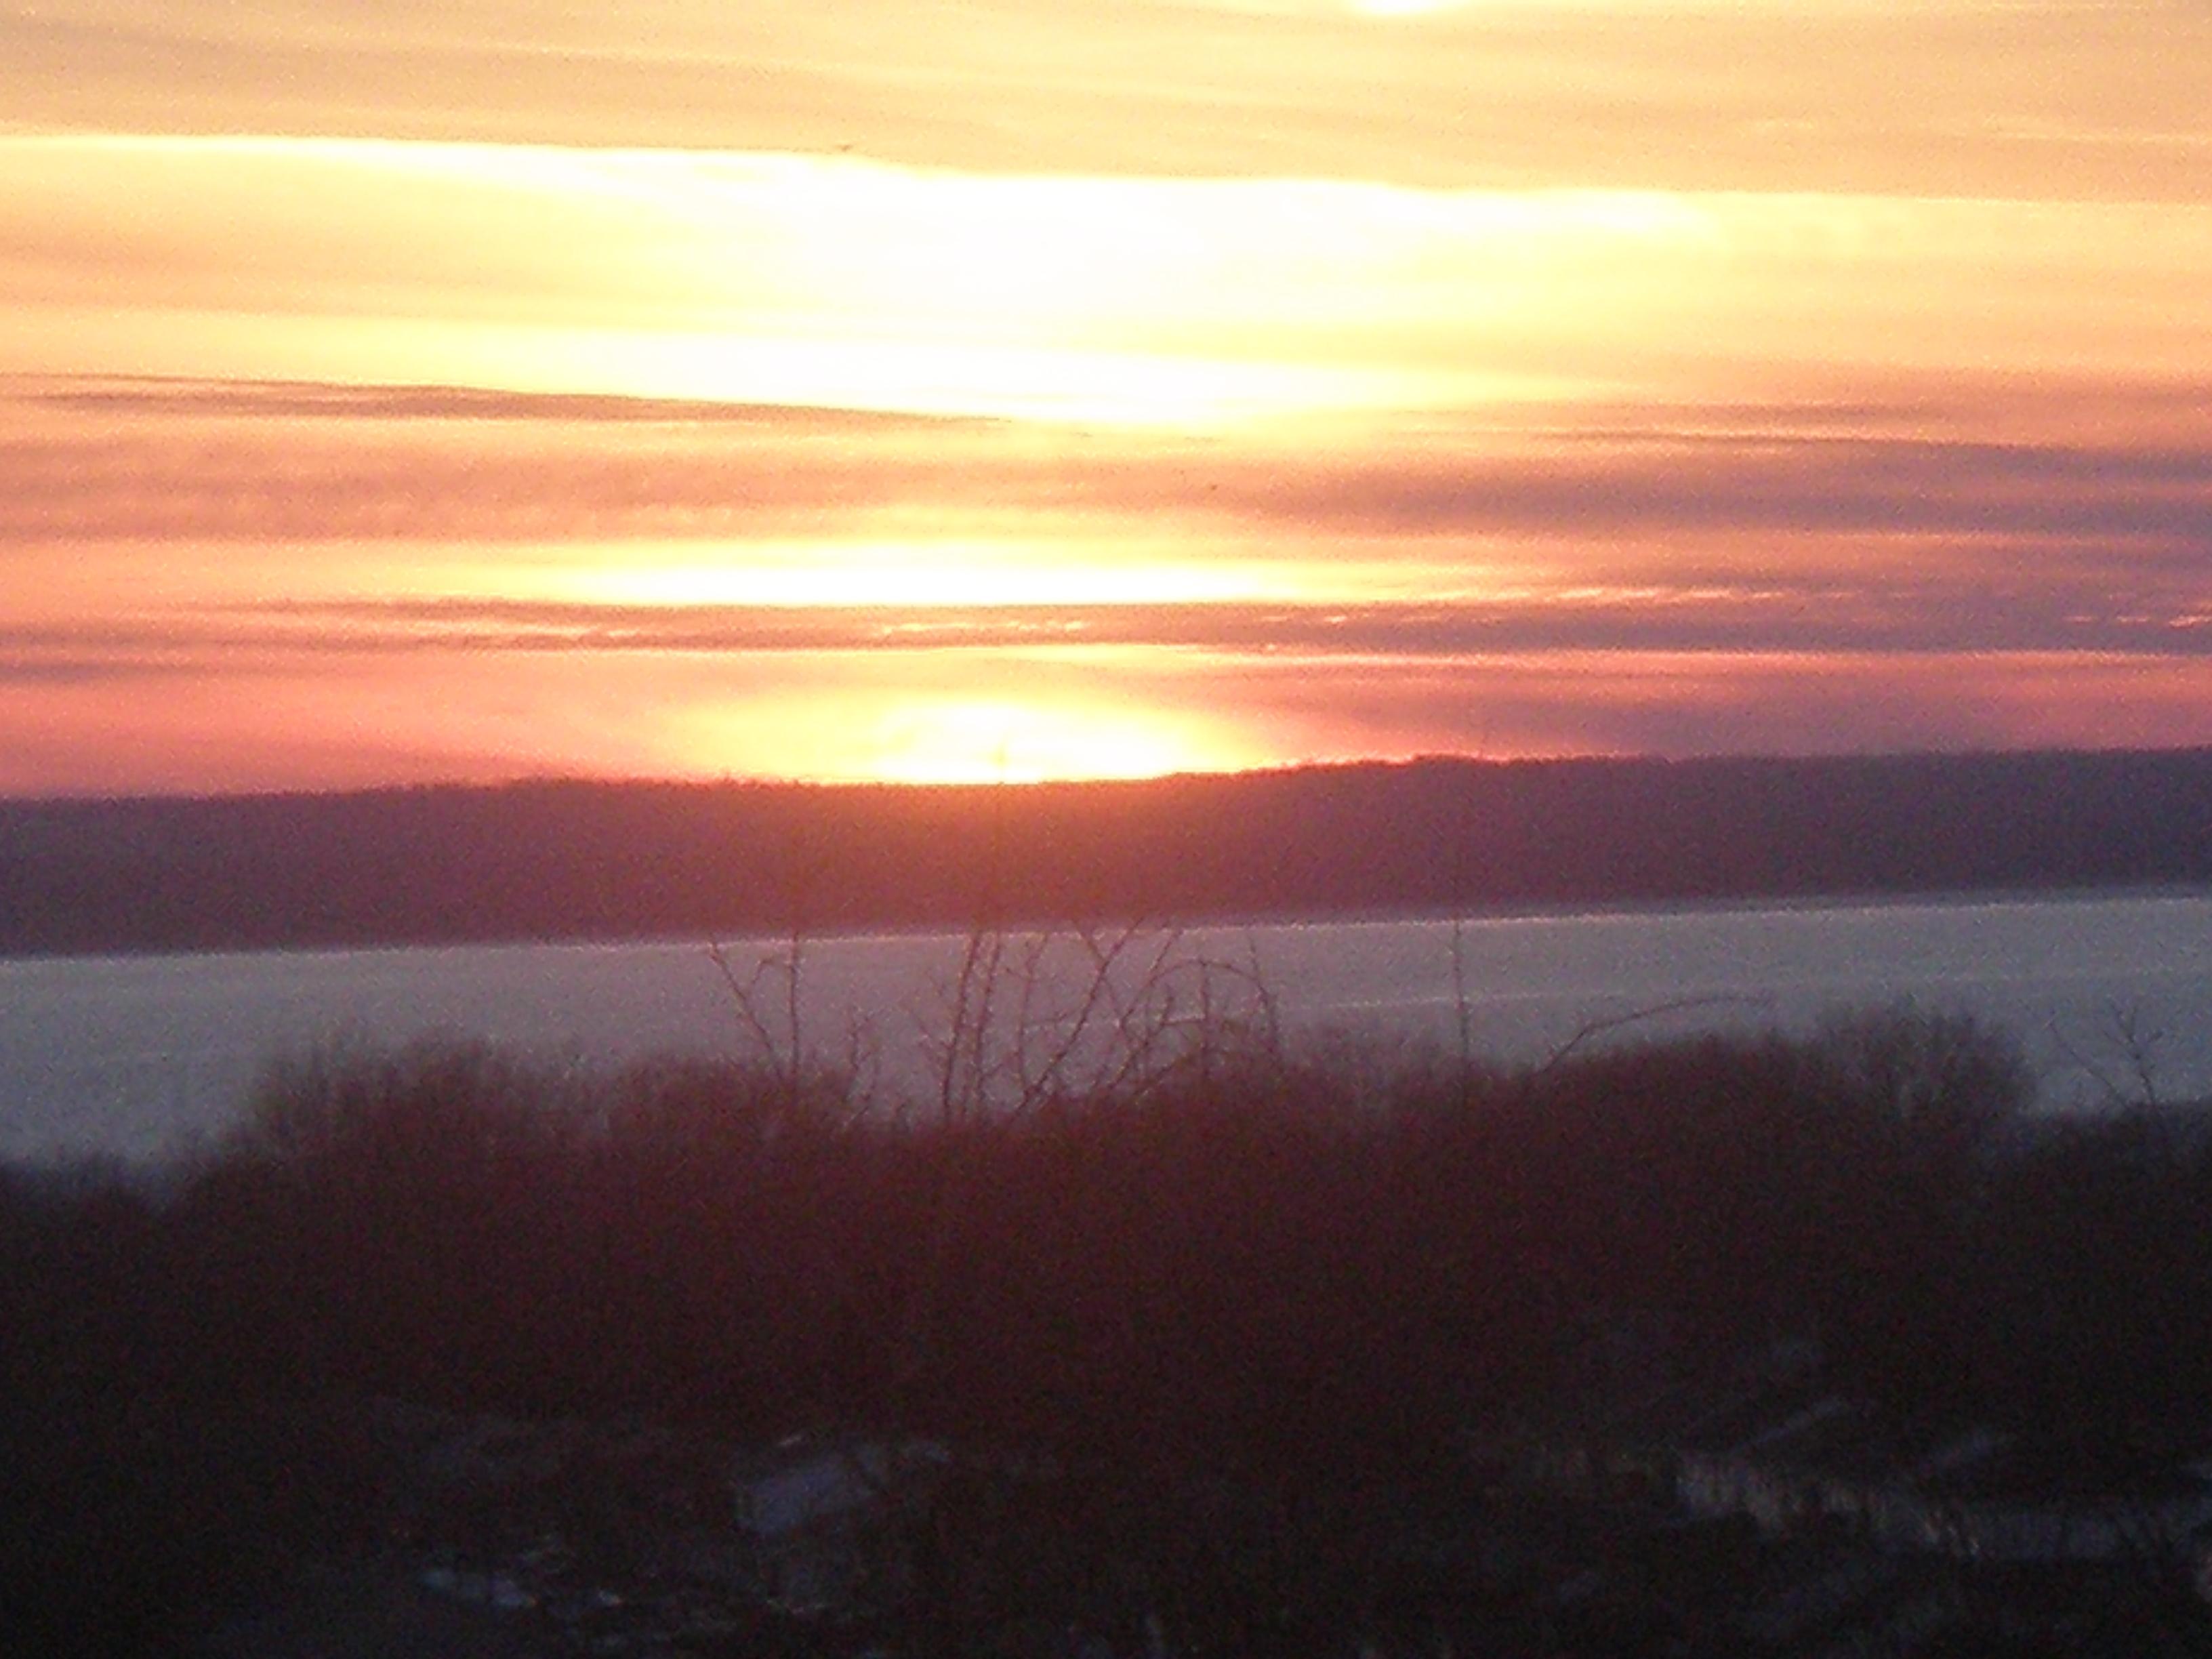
1933,618
327,400
2077,516
1898,485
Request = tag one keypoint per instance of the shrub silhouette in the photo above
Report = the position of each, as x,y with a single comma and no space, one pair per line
1298,1276
1246,1258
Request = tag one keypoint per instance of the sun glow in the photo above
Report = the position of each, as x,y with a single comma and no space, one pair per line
1002,733
1196,303
1002,740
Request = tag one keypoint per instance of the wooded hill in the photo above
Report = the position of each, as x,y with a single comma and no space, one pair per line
566,858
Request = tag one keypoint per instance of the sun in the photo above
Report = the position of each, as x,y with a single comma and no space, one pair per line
946,714
967,740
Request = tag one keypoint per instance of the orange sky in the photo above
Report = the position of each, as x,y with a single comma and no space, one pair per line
1040,387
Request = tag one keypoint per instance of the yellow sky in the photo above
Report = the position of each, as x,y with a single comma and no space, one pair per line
1021,388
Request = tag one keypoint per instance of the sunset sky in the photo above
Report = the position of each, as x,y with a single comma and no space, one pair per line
395,391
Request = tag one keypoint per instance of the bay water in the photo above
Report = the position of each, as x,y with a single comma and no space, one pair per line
137,1059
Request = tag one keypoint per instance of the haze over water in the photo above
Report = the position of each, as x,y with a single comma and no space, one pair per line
141,1057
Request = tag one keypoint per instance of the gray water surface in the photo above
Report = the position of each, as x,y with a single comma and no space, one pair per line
143,1057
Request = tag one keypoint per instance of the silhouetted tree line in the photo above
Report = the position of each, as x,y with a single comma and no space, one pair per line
1295,1275
565,859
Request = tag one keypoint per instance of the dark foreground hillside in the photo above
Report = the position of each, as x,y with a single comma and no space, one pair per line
1720,1346
566,860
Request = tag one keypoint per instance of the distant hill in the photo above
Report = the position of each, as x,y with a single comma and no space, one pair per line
564,859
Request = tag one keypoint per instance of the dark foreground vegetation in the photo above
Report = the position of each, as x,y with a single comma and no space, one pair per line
1218,1360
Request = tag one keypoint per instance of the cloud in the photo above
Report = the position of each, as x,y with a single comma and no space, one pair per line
1774,617
243,716
1192,303
1945,98
134,459
1851,523
1661,482
1574,702
1794,373
311,400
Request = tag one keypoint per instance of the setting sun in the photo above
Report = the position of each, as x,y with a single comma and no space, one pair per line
982,740
842,594
1037,721
776,391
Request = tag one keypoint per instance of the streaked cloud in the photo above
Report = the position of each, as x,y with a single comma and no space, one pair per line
1956,97
1675,492
919,387
839,282
1776,620
279,720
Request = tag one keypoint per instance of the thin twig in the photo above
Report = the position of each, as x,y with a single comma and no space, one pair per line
1591,1030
